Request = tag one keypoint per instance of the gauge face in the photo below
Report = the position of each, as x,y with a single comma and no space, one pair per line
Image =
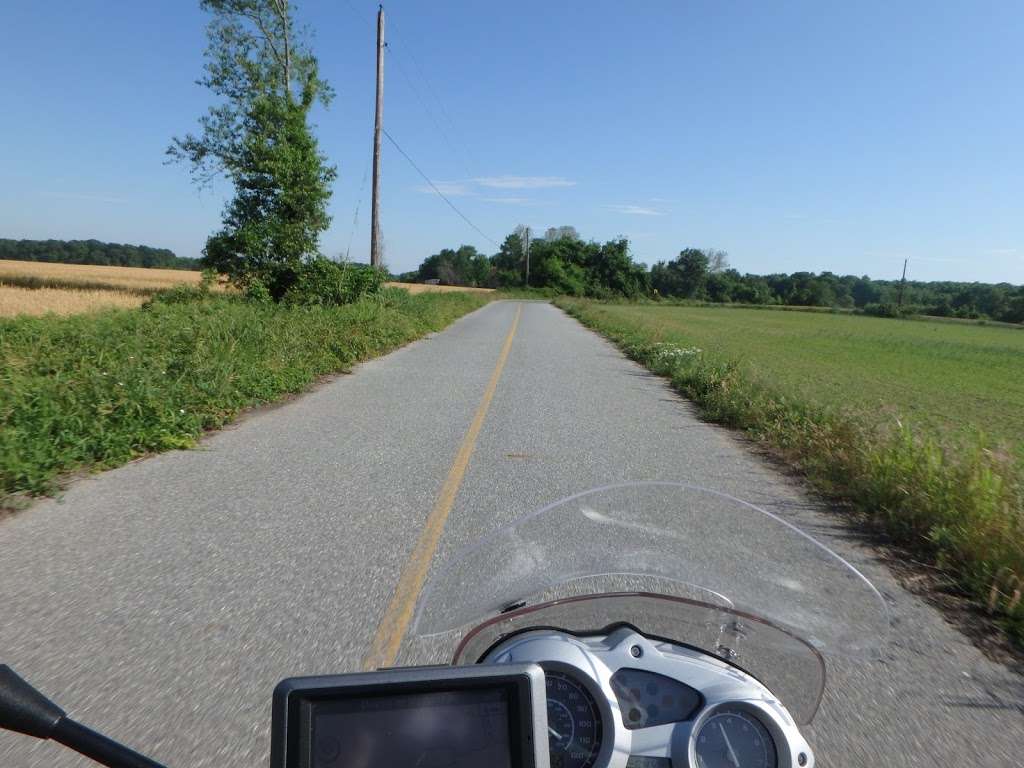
574,723
731,738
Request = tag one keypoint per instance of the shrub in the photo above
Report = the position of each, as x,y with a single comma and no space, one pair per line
325,283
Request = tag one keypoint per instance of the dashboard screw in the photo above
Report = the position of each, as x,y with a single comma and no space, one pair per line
802,759
636,651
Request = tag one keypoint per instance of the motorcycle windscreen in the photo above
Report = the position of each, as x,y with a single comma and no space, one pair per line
712,558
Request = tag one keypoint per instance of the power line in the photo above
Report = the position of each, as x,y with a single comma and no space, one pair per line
405,49
438,191
440,129
359,202
356,11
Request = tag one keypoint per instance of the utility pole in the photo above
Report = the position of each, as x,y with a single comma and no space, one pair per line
903,282
375,259
526,245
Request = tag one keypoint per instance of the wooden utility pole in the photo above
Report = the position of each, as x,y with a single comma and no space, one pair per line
903,282
375,259
526,236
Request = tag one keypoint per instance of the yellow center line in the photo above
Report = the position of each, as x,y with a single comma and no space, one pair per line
392,627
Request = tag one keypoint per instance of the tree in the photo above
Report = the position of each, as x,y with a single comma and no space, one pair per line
718,260
464,266
561,233
693,272
509,262
259,138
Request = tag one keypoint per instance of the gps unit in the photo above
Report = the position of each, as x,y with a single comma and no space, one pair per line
478,716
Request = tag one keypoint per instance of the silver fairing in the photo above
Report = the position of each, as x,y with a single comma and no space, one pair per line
593,660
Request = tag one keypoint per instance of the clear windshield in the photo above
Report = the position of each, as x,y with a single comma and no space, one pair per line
677,562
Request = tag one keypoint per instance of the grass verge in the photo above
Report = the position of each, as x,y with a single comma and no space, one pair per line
957,501
96,390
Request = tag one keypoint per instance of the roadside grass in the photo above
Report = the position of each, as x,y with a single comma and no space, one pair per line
15,300
919,428
96,390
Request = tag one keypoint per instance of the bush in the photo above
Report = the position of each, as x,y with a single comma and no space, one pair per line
325,283
888,310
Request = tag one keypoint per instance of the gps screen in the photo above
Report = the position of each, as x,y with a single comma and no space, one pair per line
448,729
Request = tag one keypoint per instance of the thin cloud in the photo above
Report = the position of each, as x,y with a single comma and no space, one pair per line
663,200
89,198
796,216
1002,251
524,182
634,210
449,188
509,200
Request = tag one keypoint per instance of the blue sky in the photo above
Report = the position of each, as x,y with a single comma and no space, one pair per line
795,135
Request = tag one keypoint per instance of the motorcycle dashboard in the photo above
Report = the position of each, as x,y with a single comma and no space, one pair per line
424,716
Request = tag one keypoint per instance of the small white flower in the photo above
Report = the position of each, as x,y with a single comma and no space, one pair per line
181,410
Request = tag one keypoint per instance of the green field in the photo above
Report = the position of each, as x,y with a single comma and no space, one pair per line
917,425
941,376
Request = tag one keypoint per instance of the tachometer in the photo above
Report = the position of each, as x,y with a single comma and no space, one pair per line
574,722
733,738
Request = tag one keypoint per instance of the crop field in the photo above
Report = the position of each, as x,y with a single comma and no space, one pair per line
36,288
945,377
15,300
919,426
38,274
415,288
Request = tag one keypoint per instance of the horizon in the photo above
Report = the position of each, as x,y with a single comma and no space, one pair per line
800,139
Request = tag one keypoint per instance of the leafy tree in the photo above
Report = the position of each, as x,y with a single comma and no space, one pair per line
693,272
561,233
463,266
93,252
510,260
259,138
611,270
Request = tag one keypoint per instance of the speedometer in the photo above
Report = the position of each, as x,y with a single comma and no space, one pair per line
574,722
733,738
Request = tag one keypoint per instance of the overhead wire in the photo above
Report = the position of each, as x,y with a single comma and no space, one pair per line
438,191
464,156
359,203
437,124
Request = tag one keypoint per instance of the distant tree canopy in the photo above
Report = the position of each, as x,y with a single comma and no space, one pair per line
692,275
93,252
561,262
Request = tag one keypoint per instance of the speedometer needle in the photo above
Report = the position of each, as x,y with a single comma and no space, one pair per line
558,736
732,752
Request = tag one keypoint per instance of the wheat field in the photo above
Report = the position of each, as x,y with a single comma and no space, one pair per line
15,300
35,288
425,288
32,274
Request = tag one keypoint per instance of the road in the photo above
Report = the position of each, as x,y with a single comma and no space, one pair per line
162,601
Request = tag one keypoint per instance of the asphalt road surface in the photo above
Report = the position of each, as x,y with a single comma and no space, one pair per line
162,601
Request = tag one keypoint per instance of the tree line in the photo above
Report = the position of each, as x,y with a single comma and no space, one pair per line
94,252
562,262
